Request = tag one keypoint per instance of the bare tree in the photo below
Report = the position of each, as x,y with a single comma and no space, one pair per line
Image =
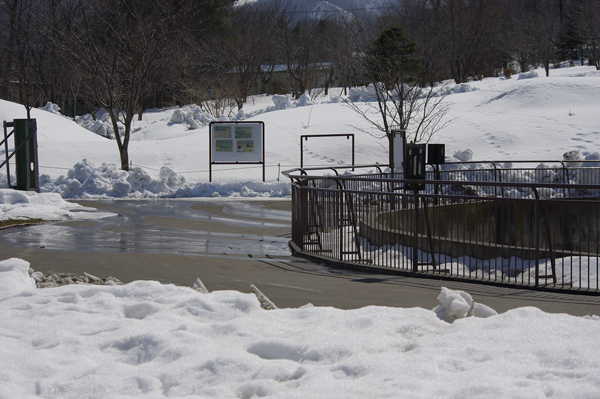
544,16
466,26
585,16
248,45
121,46
401,102
299,48
517,25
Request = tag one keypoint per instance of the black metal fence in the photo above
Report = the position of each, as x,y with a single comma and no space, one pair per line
532,227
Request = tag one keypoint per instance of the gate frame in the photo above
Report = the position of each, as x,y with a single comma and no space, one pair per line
305,137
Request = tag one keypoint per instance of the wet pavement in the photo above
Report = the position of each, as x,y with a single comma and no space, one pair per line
230,244
139,227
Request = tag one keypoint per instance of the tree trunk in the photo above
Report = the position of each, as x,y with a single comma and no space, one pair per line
124,158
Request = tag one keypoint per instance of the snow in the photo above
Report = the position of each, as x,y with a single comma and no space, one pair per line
24,205
537,118
147,339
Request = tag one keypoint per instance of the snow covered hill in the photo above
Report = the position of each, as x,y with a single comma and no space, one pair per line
528,117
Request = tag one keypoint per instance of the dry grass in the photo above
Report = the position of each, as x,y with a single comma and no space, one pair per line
4,224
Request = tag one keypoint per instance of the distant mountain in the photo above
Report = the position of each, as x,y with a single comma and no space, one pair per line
321,9
324,9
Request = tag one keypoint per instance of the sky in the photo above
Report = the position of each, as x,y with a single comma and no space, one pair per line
147,339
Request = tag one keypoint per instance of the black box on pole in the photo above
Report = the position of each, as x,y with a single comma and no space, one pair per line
415,164
436,154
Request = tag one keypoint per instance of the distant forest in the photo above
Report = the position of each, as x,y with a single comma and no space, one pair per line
132,55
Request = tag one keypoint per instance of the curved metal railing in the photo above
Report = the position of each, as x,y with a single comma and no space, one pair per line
529,227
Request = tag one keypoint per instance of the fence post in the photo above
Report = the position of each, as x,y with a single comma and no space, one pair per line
416,229
537,237
341,218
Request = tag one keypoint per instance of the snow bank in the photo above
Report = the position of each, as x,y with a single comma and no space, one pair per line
86,180
146,339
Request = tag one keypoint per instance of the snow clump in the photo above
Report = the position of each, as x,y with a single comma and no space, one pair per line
193,116
102,125
528,75
282,102
52,108
304,100
456,305
462,88
463,155
572,159
362,93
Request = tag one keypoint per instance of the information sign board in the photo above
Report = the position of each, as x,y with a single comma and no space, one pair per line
237,142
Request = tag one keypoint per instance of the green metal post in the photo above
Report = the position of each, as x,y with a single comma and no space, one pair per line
26,154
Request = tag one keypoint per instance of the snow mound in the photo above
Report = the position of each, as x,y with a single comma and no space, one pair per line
463,155
24,205
282,102
304,100
102,125
462,88
16,278
193,116
528,75
52,108
85,180
362,93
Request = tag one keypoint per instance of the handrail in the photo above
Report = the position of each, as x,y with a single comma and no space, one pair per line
495,164
466,218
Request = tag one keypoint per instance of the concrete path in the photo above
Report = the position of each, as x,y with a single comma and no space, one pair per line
230,245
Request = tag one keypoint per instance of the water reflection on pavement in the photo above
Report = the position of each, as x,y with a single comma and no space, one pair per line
137,228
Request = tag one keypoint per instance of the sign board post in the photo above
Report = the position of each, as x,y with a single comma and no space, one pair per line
236,143
398,146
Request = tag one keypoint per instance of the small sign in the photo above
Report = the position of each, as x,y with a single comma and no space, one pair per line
243,132
224,145
222,132
245,146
